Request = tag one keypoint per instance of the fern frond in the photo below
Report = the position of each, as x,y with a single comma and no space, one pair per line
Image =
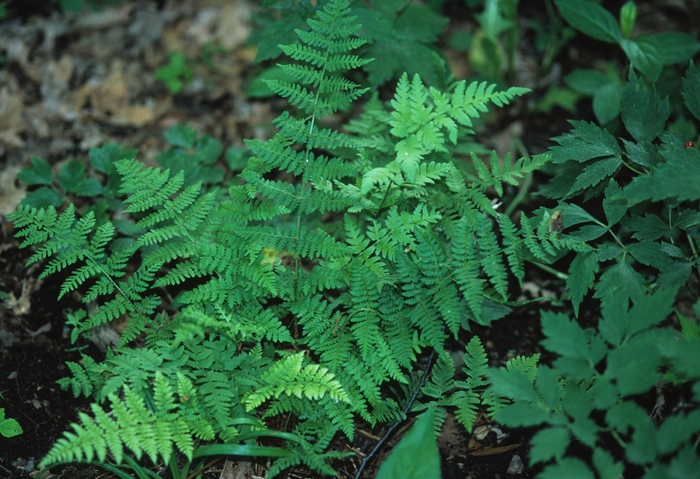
288,377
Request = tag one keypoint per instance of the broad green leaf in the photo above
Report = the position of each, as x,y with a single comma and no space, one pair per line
614,209
586,81
9,427
209,150
563,336
691,90
608,251
102,157
522,414
88,187
644,54
606,466
626,415
604,393
491,20
281,32
71,175
581,276
38,174
677,178
645,154
649,310
677,430
586,141
606,103
620,282
42,198
650,253
642,448
550,443
676,47
674,274
570,468
634,365
183,136
421,23
512,384
591,19
595,173
573,214
585,430
547,384
643,112
416,456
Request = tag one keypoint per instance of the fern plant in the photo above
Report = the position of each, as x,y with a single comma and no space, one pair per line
304,290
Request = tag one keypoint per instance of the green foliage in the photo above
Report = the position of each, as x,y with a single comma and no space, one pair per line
648,54
176,74
594,391
656,250
399,35
9,427
310,287
416,456
77,6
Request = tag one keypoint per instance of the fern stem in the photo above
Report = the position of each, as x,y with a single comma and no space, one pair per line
405,411
552,271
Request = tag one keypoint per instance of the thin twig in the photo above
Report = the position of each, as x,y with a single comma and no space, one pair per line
379,444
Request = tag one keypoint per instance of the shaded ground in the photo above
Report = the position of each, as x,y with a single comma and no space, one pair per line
70,83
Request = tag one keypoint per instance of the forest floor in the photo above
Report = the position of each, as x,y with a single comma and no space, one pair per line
72,82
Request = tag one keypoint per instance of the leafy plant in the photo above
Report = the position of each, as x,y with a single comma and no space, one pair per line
399,35
648,54
176,74
636,267
9,427
591,395
304,290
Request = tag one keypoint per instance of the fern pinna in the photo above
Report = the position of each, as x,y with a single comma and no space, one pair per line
309,286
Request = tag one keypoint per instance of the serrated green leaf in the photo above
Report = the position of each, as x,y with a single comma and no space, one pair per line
102,157
550,443
209,150
677,178
573,214
644,54
582,273
512,384
42,198
645,154
421,23
71,175
595,173
649,227
183,136
606,466
643,112
604,393
620,282
570,468
585,142
522,414
38,174
691,90
634,365
591,19
614,209
677,430
88,187
547,385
